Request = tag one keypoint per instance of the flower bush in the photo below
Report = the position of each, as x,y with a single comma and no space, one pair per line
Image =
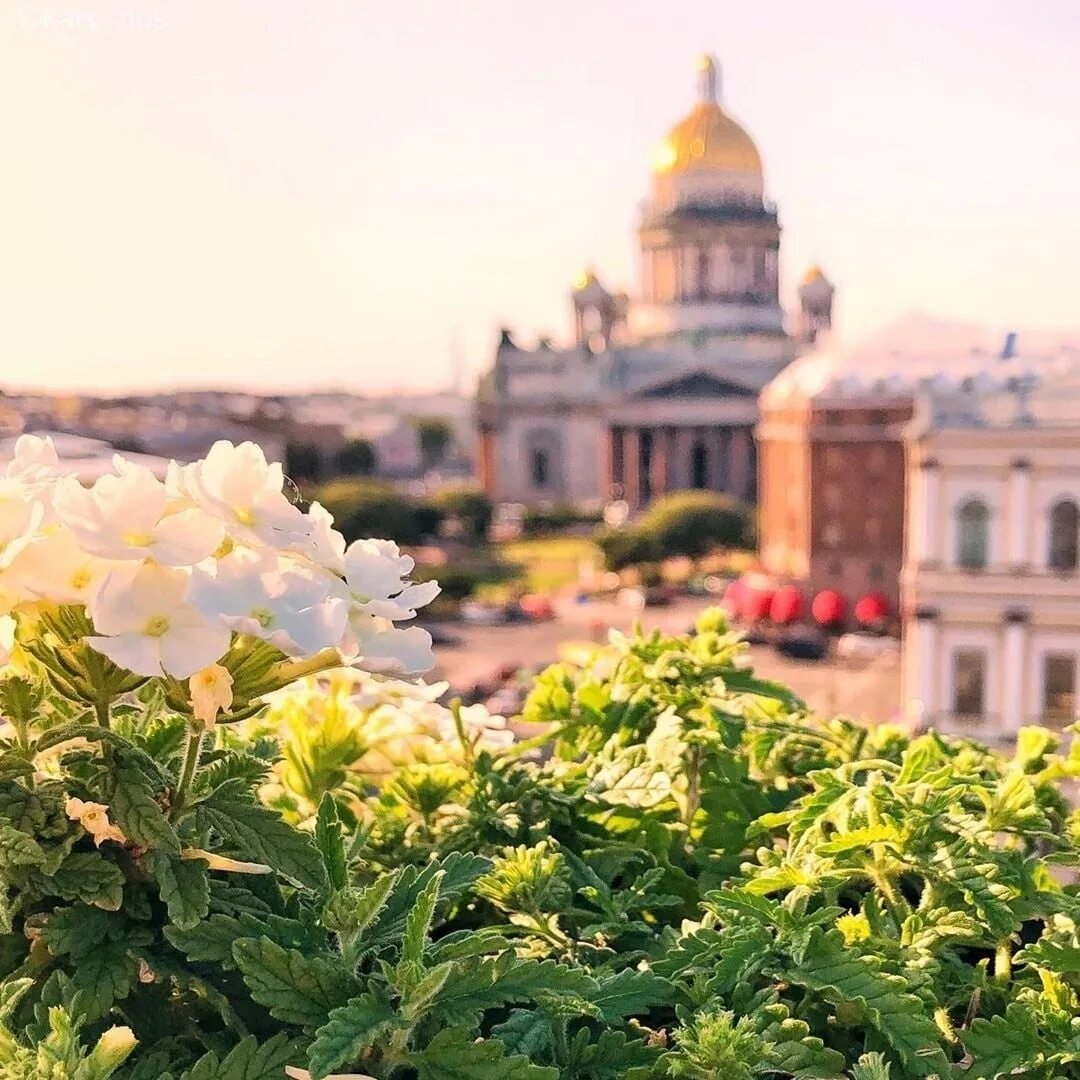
232,849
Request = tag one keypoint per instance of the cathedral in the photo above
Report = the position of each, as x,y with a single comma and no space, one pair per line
658,392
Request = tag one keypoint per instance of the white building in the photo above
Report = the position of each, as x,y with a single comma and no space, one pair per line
991,579
660,392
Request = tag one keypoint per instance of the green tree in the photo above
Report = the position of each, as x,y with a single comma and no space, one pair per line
436,436
303,462
356,458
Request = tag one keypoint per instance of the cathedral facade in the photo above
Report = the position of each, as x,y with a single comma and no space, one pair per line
658,393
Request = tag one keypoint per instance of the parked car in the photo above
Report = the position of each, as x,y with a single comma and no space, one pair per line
803,645
863,646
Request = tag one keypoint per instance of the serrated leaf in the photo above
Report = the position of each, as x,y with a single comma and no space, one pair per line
248,1060
88,876
247,831
630,993
527,1032
349,1031
329,841
1002,1044
487,983
451,1055
184,887
135,810
211,940
103,976
871,1067
295,988
17,849
418,921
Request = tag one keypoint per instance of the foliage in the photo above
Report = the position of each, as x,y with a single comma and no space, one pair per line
693,879
683,523
364,508
303,461
436,436
543,521
470,507
356,458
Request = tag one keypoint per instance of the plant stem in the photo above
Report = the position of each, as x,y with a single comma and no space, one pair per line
191,763
101,710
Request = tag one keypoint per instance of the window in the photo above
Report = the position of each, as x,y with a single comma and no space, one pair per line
540,468
876,573
1064,535
831,534
834,497
834,458
1059,689
972,533
969,682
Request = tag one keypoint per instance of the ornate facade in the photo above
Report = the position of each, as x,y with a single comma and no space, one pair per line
658,393
991,577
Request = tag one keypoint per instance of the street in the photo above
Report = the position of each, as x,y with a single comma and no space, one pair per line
863,690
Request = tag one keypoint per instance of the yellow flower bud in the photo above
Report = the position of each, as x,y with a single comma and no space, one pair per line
211,692
94,818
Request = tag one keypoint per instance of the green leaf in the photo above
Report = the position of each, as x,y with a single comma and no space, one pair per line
418,922
487,984
102,976
80,929
329,841
88,876
842,976
527,1032
349,1031
184,887
871,1067
18,850
211,940
255,833
135,810
451,1055
249,1060
295,988
1004,1044
631,993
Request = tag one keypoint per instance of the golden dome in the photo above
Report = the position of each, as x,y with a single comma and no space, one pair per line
815,273
707,139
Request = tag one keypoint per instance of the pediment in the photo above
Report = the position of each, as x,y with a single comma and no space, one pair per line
694,384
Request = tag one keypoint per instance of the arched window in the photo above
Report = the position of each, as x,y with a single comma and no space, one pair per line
1064,535
972,534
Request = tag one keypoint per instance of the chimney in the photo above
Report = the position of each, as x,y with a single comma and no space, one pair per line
1008,350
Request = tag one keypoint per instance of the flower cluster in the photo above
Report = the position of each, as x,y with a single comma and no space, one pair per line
172,574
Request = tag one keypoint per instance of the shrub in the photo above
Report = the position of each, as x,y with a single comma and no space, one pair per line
365,508
469,506
627,547
694,522
303,462
541,521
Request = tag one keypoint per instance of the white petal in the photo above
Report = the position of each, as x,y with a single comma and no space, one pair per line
133,652
189,649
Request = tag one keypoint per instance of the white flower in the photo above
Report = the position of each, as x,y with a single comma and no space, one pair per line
325,546
34,459
236,485
55,568
373,572
265,596
146,625
126,516
94,818
485,730
379,646
302,1074
7,638
211,691
21,518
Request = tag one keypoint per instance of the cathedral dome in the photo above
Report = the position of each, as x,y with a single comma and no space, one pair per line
707,138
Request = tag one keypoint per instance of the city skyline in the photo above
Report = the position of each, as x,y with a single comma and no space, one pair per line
259,198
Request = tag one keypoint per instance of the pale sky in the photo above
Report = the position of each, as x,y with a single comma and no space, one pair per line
272,193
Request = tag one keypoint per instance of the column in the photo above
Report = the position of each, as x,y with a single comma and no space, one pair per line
660,463
1012,673
929,532
1019,514
920,674
679,472
631,467
609,476
739,469
714,457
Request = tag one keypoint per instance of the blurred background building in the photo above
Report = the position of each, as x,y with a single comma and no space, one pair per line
991,592
658,393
